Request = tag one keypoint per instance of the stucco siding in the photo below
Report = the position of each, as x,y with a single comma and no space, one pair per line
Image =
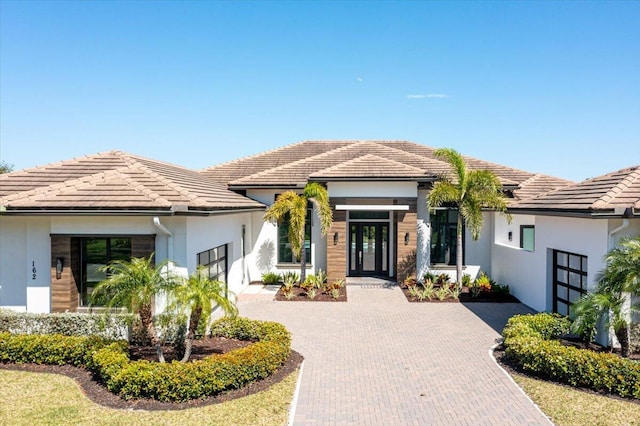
13,263
529,275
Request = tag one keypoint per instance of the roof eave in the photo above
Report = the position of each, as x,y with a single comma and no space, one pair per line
584,213
127,211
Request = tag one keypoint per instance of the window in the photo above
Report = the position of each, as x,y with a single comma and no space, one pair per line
284,247
443,237
527,237
96,253
215,260
569,279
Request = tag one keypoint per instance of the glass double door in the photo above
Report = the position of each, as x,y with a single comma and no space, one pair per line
369,249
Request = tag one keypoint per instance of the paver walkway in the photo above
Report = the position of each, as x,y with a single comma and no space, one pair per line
379,360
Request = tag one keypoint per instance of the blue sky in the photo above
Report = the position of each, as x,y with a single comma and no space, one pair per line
550,87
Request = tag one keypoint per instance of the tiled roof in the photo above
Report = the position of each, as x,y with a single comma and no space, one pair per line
295,165
613,191
116,180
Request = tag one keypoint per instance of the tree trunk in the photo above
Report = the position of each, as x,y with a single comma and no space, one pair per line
303,262
146,318
623,337
194,320
459,229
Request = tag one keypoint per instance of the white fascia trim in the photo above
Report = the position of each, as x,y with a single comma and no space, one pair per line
372,207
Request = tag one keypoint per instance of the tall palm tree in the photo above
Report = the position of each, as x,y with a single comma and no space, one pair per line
199,295
470,191
619,278
134,284
294,206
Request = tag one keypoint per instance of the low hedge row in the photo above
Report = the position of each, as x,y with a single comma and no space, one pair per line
68,324
529,341
55,349
172,381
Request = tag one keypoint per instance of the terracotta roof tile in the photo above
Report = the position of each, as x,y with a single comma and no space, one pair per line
616,190
294,165
370,166
115,180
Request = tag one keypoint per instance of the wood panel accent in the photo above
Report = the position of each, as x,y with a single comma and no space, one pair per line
406,223
336,253
143,245
64,293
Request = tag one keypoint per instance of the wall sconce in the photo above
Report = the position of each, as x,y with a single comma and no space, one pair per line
406,238
58,268
336,236
510,236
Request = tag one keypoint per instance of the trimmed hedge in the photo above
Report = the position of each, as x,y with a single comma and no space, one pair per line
528,340
53,349
177,381
69,324
172,381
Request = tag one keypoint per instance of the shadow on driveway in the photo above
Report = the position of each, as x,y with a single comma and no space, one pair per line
495,315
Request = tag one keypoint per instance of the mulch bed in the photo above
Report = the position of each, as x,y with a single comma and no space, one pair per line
301,296
99,394
465,297
513,368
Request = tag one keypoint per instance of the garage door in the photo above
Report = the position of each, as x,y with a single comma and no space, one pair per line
569,279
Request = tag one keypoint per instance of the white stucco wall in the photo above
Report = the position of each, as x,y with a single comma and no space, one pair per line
373,189
263,257
423,250
528,274
205,233
25,256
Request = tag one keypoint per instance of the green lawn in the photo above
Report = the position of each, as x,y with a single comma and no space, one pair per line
51,399
567,406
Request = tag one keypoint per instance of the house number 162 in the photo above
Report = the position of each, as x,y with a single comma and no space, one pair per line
33,270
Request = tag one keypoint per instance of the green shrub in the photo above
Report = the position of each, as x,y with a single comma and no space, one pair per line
172,381
53,349
182,381
271,278
528,340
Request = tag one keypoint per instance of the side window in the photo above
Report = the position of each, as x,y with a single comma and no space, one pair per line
527,237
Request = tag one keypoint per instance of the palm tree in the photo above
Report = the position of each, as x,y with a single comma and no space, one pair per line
134,285
294,206
620,277
199,295
470,191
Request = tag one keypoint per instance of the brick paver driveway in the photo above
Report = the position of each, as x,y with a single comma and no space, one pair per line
379,360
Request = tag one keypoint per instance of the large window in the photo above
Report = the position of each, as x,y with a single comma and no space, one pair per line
284,246
569,279
97,253
443,237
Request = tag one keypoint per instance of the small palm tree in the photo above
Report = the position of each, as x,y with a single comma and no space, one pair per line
606,306
619,279
199,295
470,191
623,267
295,206
134,285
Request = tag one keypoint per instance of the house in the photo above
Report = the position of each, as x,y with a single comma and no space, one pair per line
551,252
59,222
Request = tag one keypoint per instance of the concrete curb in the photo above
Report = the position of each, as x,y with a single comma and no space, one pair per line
294,402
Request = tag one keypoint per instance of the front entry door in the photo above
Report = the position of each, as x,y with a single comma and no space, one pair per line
369,249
